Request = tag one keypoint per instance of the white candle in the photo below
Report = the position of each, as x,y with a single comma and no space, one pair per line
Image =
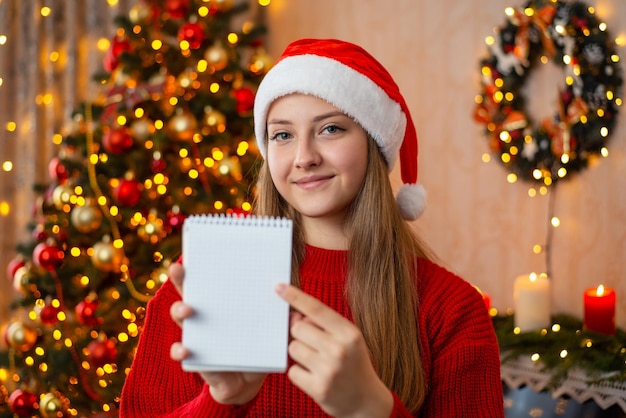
532,302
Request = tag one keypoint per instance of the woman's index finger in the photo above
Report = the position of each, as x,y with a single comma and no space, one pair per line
309,306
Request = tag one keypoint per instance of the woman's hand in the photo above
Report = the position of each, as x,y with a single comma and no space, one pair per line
332,360
234,388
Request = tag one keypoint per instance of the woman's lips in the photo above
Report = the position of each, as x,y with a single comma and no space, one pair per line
312,182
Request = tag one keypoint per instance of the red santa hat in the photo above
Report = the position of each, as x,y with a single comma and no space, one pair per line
353,81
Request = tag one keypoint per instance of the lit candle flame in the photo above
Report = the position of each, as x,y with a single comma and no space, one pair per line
533,277
600,290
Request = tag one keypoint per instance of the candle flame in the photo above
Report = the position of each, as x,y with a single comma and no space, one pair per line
533,277
600,290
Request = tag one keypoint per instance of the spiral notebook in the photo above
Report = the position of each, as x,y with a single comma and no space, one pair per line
231,267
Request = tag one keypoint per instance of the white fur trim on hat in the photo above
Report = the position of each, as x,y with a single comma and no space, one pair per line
411,200
348,90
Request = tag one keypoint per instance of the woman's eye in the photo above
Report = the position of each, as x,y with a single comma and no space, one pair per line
280,136
332,129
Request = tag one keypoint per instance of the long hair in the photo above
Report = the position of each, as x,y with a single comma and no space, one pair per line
382,283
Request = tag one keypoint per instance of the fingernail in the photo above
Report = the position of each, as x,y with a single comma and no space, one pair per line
179,309
280,288
178,352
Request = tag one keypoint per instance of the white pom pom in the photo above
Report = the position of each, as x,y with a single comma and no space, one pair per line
411,201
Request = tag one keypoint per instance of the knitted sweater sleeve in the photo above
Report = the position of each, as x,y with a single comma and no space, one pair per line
156,385
460,348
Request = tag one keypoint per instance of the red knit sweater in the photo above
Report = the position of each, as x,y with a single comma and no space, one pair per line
459,353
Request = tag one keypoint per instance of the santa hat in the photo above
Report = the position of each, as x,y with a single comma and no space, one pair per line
353,81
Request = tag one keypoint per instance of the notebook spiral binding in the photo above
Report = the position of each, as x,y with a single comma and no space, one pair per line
228,219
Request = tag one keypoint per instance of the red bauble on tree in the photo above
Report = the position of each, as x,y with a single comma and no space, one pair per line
192,33
128,192
23,403
158,165
177,9
20,336
49,314
86,313
13,266
40,233
57,170
245,99
117,140
118,46
48,256
102,352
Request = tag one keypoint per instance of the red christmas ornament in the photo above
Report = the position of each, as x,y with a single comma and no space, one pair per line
128,193
118,46
158,165
13,266
102,352
245,99
48,256
61,235
86,313
192,33
39,232
57,170
177,9
23,403
117,141
48,314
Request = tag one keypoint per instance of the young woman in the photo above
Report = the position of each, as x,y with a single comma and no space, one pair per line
378,329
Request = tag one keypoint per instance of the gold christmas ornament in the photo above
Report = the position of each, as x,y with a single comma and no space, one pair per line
86,218
21,279
217,57
187,79
214,120
140,13
50,406
107,257
182,126
230,166
61,196
20,336
151,231
142,129
260,62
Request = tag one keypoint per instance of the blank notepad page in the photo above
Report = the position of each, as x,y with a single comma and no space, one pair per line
231,267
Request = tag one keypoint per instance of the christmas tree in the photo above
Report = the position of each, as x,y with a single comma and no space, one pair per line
171,137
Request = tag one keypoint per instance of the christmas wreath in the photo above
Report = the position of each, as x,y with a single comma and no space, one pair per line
570,35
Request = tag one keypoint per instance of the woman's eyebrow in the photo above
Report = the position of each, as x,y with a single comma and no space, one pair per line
279,122
328,115
315,119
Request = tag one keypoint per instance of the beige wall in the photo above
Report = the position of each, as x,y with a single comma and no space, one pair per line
481,226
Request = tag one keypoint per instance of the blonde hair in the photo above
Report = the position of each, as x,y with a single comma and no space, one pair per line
381,286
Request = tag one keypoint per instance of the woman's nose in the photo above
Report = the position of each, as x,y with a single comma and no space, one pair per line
307,154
